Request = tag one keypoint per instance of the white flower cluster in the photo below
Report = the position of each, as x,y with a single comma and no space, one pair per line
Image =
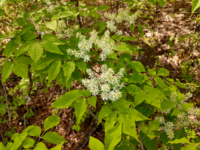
187,96
183,120
70,31
111,25
173,97
161,119
194,111
50,7
60,28
169,127
187,122
107,84
123,15
165,111
106,44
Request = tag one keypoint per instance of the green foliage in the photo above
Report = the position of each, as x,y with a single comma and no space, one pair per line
22,140
195,5
149,109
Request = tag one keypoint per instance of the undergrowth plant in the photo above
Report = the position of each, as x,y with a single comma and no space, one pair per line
137,107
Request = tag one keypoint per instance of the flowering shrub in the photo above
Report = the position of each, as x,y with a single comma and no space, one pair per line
139,107
107,83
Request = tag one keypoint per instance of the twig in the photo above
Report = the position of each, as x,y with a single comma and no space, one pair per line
141,145
30,88
4,92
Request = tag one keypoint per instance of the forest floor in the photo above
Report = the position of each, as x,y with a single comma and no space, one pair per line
166,23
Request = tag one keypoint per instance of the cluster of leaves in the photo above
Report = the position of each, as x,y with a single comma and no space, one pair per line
23,140
129,121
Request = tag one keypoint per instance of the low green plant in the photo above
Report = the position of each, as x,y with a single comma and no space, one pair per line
137,107
30,137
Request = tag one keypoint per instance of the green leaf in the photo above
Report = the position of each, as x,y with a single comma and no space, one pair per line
19,139
151,72
117,37
21,70
163,72
111,121
26,28
175,112
182,140
185,106
137,66
126,48
54,70
125,57
195,5
160,82
139,97
52,39
68,68
10,146
53,138
95,144
81,65
21,22
161,2
51,24
192,146
137,78
43,63
25,47
25,60
28,36
10,48
140,28
102,26
2,111
65,100
28,142
66,14
92,101
51,122
129,126
153,99
80,108
104,112
7,69
129,38
76,127
149,144
112,55
167,104
58,147
40,146
181,85
35,51
123,106
51,47
2,147
151,130
103,8
84,30
133,89
113,137
33,131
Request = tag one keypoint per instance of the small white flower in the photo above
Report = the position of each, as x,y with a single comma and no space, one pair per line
105,88
42,33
